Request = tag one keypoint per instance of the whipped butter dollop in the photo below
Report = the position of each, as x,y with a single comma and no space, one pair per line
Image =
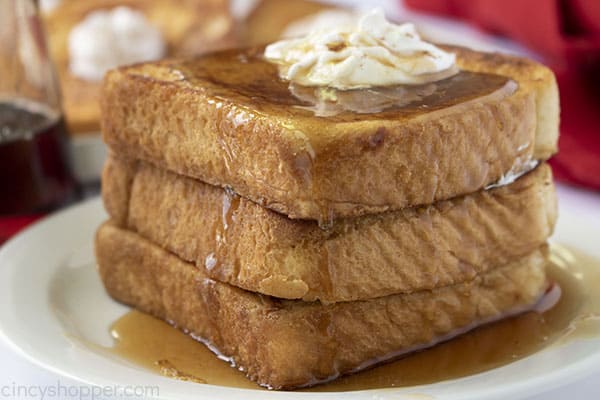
372,52
106,39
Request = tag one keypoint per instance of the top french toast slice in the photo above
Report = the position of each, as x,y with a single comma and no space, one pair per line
227,119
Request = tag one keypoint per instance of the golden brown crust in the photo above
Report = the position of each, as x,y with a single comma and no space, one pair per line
239,242
117,179
285,344
532,77
189,27
308,168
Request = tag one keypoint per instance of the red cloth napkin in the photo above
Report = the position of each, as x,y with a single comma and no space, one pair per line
567,34
11,225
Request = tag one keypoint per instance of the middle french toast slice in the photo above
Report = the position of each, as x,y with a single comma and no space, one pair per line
237,241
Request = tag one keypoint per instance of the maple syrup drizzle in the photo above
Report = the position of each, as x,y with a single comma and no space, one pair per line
257,84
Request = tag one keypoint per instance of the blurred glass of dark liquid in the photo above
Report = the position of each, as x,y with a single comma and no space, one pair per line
35,174
34,171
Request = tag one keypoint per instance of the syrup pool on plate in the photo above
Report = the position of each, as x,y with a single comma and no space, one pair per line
157,346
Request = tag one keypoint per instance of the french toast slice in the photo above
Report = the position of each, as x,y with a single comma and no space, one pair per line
188,26
285,344
237,241
228,120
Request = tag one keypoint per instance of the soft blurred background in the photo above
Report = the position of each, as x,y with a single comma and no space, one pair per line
86,37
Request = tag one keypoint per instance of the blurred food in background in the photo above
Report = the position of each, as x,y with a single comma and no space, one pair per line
319,21
270,19
109,32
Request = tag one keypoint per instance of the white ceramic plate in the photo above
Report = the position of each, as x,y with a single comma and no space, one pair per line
52,302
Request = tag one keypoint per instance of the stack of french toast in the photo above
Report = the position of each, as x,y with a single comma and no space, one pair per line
300,247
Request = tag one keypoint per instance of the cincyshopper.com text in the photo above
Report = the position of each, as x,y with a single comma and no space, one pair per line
80,392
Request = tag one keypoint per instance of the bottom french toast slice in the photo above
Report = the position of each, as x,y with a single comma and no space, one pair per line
286,344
